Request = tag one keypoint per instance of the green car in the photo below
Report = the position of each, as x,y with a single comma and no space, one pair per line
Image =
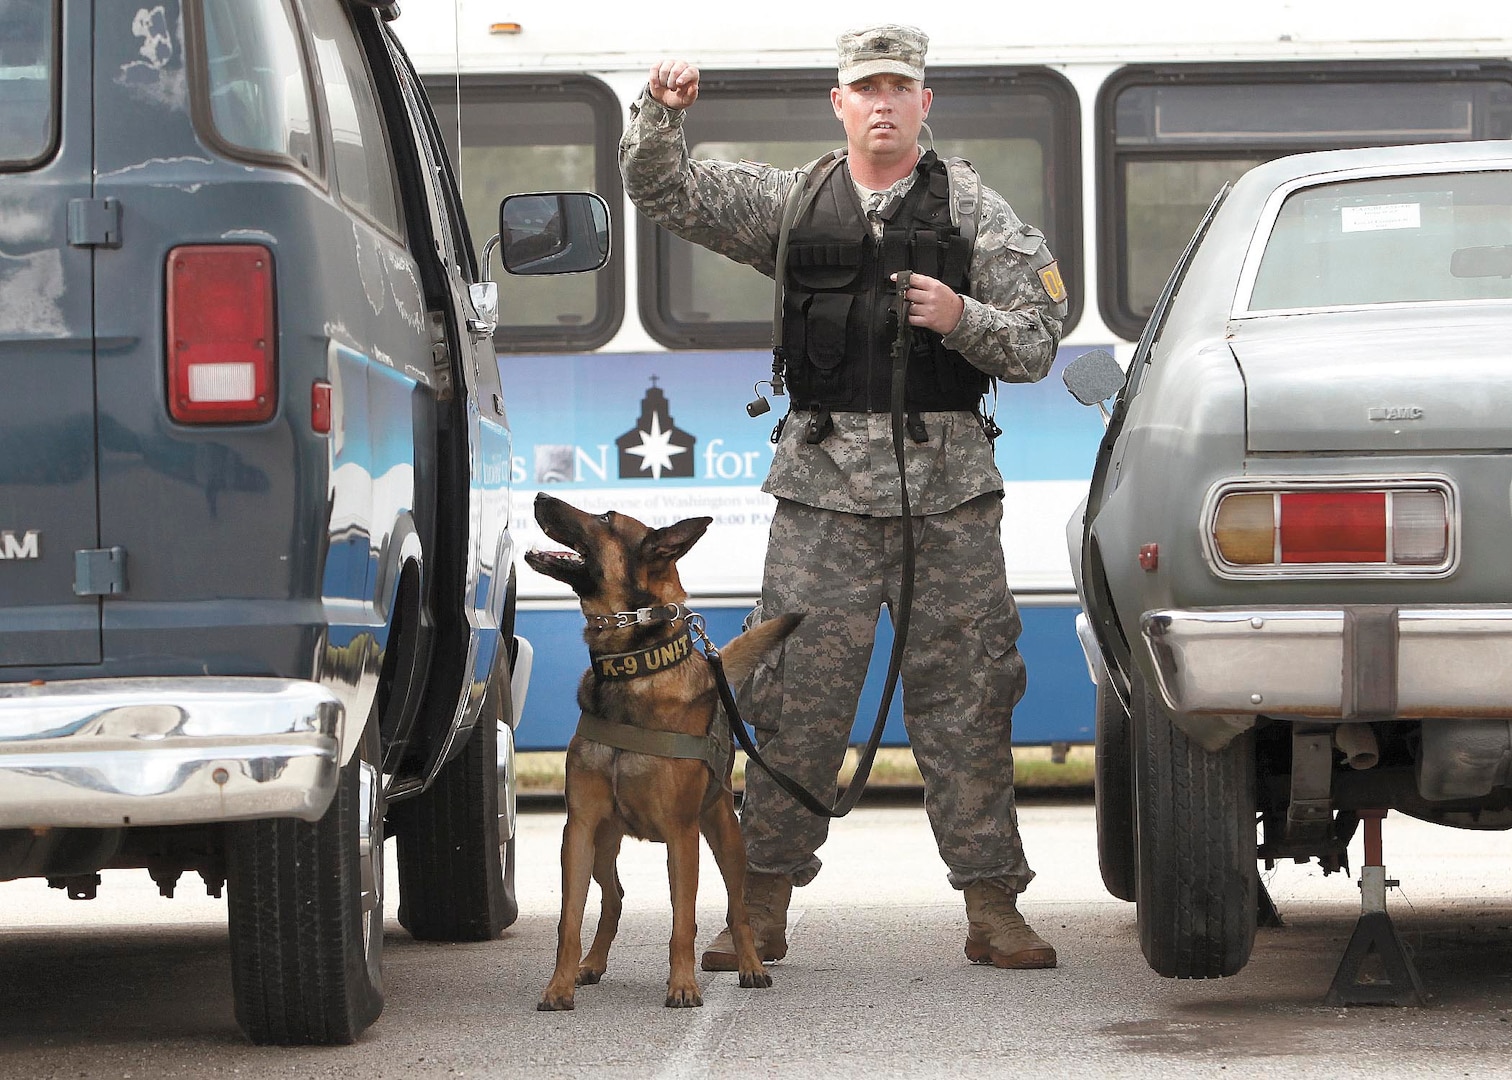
1293,558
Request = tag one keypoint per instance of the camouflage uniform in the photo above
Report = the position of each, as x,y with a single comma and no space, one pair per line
834,551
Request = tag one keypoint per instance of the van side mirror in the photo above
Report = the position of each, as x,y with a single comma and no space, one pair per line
554,232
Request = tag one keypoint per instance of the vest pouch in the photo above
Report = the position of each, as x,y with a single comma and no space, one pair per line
825,318
940,380
824,266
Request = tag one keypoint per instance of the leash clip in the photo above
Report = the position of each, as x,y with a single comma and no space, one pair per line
696,624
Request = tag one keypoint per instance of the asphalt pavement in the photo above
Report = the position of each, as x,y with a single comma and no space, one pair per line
133,985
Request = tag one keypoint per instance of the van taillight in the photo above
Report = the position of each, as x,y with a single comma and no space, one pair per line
222,355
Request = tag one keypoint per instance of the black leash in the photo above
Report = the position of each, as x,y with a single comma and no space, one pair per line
806,798
902,345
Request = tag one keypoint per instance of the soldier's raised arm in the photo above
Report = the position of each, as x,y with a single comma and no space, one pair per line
733,208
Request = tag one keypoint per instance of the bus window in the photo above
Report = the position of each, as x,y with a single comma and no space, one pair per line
1019,129
1180,133
537,133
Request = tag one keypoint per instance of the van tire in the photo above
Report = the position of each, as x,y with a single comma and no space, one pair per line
306,940
1195,824
456,869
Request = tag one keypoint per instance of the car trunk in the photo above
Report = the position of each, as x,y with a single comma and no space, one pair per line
49,460
1400,381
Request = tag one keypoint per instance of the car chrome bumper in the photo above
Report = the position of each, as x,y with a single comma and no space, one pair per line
1349,663
1091,650
110,752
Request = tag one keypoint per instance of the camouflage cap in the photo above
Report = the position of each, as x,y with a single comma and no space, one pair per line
878,49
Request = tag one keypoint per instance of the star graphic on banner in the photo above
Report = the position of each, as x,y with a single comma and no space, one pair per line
656,449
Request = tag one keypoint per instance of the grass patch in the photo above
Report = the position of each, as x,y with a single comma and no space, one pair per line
540,772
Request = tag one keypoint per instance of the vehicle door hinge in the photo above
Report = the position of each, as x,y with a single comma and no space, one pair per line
100,571
440,356
94,222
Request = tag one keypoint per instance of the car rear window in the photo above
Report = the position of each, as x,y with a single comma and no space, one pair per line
1400,239
28,74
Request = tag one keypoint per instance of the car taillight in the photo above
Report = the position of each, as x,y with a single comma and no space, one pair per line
1360,527
222,356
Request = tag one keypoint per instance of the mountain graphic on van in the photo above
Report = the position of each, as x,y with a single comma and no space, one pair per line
655,447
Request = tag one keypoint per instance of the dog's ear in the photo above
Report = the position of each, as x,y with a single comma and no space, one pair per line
673,542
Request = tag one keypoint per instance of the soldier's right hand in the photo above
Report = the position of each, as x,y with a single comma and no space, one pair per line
674,83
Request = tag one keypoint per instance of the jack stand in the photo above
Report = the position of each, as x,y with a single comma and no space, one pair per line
1393,980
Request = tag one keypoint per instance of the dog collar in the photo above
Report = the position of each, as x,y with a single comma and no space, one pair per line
642,662
667,613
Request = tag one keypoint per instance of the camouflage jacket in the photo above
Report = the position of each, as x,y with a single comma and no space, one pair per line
1009,329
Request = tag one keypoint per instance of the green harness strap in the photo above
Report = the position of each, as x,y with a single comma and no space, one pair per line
714,749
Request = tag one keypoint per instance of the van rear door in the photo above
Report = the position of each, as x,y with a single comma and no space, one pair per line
50,227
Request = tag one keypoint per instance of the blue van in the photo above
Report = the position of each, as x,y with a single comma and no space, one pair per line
256,599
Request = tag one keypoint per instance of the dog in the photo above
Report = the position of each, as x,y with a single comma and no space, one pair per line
645,675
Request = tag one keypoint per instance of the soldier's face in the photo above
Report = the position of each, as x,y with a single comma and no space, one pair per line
882,114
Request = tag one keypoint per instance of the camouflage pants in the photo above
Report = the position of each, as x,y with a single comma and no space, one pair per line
961,675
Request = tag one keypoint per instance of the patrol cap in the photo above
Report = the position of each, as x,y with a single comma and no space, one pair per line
895,49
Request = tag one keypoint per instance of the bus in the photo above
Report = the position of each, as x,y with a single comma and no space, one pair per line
1108,125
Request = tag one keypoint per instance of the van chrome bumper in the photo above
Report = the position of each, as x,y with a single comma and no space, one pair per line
104,753
1348,663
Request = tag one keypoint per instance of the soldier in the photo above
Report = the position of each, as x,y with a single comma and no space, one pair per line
991,309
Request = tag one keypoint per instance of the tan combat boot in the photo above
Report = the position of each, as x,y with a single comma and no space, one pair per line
998,934
766,897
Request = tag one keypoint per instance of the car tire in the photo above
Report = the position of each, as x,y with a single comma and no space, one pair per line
305,910
1114,794
1195,830
456,867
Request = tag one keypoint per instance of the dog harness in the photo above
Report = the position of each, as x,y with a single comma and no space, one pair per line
715,748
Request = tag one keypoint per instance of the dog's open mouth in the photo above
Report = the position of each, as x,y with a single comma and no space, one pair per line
559,561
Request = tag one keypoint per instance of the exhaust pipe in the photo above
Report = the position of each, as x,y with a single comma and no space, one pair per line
1358,744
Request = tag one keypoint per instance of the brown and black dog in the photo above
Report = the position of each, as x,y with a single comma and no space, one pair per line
619,565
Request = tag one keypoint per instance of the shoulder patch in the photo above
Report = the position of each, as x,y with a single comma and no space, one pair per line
1050,278
755,168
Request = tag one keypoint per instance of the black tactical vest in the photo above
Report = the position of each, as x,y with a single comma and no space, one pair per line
838,326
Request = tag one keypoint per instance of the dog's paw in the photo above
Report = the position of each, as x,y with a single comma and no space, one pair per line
755,980
685,998
555,1003
588,976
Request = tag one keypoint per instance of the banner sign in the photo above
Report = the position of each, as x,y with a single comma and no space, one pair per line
665,436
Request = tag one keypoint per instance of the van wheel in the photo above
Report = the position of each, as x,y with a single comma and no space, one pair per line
1195,828
305,904
1114,794
456,851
